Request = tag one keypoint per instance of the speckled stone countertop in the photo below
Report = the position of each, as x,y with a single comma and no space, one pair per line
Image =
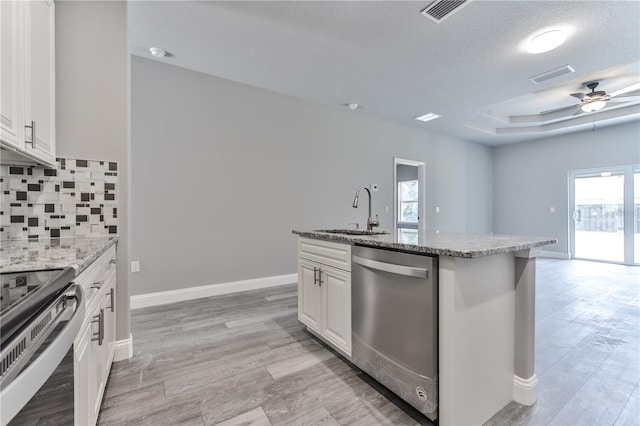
25,255
441,243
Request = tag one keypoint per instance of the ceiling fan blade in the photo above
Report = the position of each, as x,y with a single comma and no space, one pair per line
551,111
627,98
578,95
627,89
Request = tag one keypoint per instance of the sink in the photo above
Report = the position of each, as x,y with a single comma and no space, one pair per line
352,231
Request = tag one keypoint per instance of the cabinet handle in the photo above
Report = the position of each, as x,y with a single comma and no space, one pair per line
113,261
99,336
97,285
33,134
315,276
111,300
320,277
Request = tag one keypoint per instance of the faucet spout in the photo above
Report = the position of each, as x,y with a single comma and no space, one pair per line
371,222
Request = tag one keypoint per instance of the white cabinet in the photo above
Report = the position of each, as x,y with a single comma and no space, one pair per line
324,291
27,74
95,345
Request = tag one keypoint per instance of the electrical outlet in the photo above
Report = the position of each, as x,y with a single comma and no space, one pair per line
437,209
387,209
135,266
374,186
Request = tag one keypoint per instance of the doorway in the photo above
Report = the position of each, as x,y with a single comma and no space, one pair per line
409,194
605,214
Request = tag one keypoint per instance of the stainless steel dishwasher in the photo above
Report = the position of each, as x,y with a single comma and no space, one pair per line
394,299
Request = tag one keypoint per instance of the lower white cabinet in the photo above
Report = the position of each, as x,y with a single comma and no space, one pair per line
324,291
94,346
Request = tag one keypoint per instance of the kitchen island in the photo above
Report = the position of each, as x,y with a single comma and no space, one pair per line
486,313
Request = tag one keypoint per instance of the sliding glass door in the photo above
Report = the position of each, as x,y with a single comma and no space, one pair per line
605,215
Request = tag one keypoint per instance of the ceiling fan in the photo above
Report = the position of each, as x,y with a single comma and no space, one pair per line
596,100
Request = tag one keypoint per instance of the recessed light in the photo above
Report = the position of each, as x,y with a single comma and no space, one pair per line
427,117
157,52
546,41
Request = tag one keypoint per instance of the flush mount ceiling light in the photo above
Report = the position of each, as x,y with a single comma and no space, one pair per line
157,52
353,106
427,117
546,41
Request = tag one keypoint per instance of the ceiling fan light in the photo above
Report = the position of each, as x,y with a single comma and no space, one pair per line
546,41
593,106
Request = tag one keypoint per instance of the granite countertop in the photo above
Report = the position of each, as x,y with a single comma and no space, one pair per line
79,252
440,243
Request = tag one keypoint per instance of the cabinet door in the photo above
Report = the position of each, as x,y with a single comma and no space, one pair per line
40,78
82,377
110,322
336,294
309,295
97,366
11,130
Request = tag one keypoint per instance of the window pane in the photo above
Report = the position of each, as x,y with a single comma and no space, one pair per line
409,212
599,217
409,190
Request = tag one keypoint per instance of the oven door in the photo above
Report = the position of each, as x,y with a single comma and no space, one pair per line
37,364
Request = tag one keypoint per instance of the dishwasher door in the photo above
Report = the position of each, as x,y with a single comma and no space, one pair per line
394,299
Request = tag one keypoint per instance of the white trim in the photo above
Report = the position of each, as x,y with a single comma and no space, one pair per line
123,349
172,296
554,255
525,390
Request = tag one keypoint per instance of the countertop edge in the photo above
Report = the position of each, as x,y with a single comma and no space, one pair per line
79,268
370,241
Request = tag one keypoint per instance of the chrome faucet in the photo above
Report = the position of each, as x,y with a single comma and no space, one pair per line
371,222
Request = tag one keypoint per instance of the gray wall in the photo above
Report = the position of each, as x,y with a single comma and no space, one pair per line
222,172
92,105
532,176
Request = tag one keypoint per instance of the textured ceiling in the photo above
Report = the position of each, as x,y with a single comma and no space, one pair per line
397,64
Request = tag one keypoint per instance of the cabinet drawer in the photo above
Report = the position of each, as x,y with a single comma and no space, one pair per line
326,252
93,278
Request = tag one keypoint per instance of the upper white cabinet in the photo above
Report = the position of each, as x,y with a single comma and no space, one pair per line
27,74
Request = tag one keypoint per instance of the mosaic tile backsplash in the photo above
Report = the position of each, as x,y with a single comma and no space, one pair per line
78,198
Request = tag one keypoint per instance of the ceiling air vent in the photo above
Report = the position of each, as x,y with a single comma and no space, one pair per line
441,9
548,75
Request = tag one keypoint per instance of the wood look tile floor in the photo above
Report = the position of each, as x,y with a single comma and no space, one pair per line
244,359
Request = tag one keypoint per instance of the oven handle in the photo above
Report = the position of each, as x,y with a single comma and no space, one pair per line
408,271
17,393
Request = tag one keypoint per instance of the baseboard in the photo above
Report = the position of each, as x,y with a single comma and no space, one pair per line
554,255
124,349
525,391
172,296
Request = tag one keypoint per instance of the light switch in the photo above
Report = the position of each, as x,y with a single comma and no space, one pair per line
135,266
437,209
552,209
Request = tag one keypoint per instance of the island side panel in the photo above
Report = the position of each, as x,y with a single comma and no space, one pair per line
476,337
525,380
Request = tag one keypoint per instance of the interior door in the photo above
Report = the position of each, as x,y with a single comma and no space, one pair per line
604,215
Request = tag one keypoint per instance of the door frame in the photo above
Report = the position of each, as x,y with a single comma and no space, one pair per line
422,193
627,171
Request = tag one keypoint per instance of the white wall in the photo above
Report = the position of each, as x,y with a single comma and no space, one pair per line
532,176
222,172
92,105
